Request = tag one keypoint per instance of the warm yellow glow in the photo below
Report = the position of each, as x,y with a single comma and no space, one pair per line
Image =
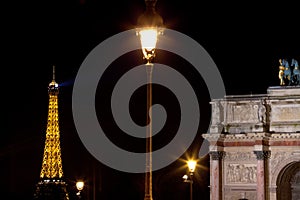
192,165
148,38
185,177
52,162
79,185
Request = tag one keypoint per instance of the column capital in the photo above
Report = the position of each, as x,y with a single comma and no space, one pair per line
216,155
261,155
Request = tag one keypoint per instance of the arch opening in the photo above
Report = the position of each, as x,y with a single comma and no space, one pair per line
288,182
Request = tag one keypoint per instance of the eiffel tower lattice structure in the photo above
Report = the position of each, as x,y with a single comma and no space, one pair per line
51,185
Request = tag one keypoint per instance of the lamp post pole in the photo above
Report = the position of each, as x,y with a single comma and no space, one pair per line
191,186
148,181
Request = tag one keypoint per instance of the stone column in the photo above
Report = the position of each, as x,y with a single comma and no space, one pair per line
215,179
260,174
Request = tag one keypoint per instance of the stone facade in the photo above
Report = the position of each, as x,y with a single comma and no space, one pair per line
255,146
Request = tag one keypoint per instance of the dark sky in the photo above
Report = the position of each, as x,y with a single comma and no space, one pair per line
245,41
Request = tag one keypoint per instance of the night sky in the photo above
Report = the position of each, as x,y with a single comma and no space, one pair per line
245,40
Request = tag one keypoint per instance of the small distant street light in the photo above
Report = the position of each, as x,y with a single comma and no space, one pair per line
189,178
79,186
185,178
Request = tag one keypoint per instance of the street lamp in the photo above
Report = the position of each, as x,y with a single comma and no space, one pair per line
189,179
79,186
149,27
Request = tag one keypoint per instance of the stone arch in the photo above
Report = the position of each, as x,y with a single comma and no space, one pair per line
286,181
281,165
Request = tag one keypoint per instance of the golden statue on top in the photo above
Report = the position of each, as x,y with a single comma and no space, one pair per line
281,72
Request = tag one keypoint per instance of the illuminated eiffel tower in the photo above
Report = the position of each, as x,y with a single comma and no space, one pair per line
51,185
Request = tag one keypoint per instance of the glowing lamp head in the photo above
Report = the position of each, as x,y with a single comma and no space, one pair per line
148,38
79,185
191,165
150,26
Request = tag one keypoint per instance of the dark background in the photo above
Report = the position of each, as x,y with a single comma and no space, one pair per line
245,40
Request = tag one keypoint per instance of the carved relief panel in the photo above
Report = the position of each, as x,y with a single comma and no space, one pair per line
240,173
285,113
240,168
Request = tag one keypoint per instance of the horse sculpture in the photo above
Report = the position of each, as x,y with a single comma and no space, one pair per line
287,76
296,72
